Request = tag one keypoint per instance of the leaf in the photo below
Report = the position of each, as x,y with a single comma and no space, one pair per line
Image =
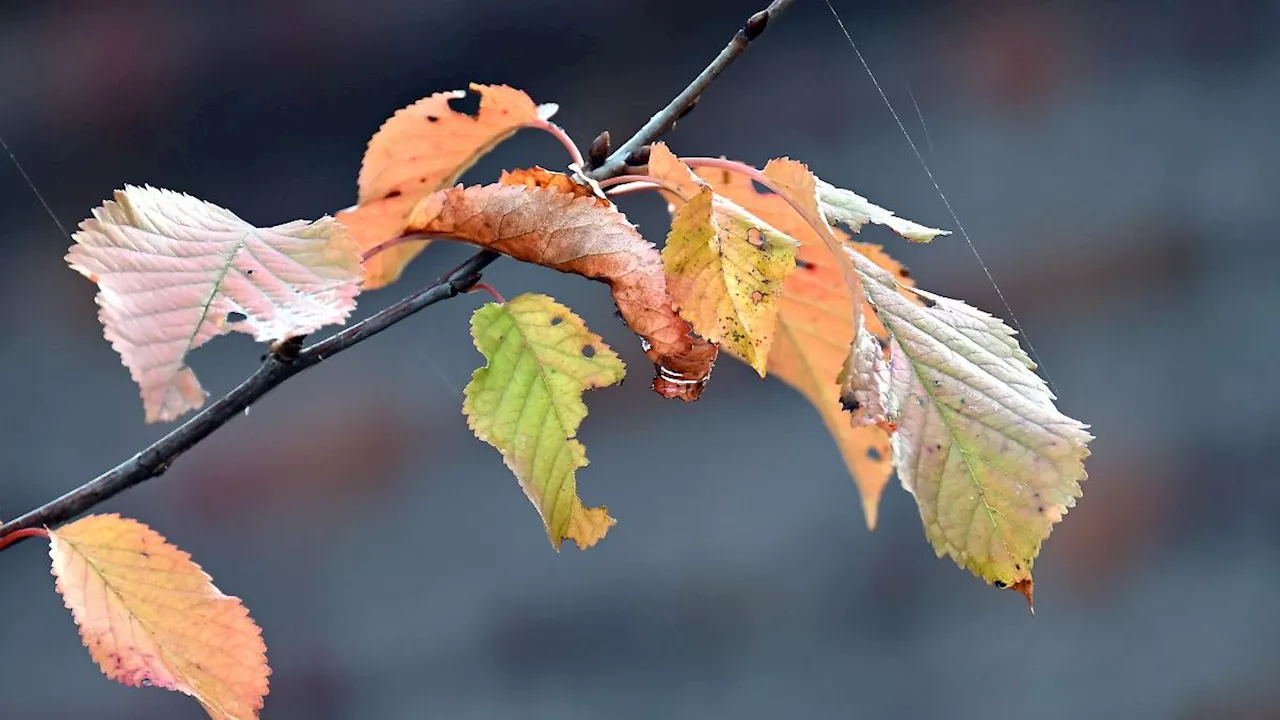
423,148
587,236
174,272
726,271
850,208
725,266
815,329
537,177
527,403
864,381
151,617
991,462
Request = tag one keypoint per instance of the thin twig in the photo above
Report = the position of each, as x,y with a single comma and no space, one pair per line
559,134
487,288
630,188
684,102
286,361
623,184
22,534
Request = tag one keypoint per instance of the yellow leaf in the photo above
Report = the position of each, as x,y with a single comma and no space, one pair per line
423,148
527,403
815,328
151,617
725,266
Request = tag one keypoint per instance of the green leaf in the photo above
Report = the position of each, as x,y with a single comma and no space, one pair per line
991,462
527,403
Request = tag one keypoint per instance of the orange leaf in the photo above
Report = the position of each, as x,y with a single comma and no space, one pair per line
421,149
151,616
815,328
586,236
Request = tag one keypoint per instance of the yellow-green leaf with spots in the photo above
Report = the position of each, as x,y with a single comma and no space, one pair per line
725,266
992,463
527,403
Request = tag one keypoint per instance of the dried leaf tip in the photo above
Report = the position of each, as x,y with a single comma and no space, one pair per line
1028,590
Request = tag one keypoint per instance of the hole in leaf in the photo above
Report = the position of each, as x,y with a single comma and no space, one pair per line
999,584
557,320
588,351
468,104
235,317
874,454
761,189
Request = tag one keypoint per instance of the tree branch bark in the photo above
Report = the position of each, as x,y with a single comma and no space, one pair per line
289,358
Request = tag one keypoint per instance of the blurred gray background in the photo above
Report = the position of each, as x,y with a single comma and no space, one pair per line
1115,162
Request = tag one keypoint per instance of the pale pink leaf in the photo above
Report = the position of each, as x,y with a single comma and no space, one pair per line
174,271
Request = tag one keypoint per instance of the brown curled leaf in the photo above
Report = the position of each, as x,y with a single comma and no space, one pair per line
579,234
420,149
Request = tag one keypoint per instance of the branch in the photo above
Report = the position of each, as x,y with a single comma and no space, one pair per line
680,106
285,361
288,358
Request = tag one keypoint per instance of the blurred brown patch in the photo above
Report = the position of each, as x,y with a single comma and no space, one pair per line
1012,54
1127,512
320,462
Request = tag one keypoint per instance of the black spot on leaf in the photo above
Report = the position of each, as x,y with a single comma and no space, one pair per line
468,104
588,351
